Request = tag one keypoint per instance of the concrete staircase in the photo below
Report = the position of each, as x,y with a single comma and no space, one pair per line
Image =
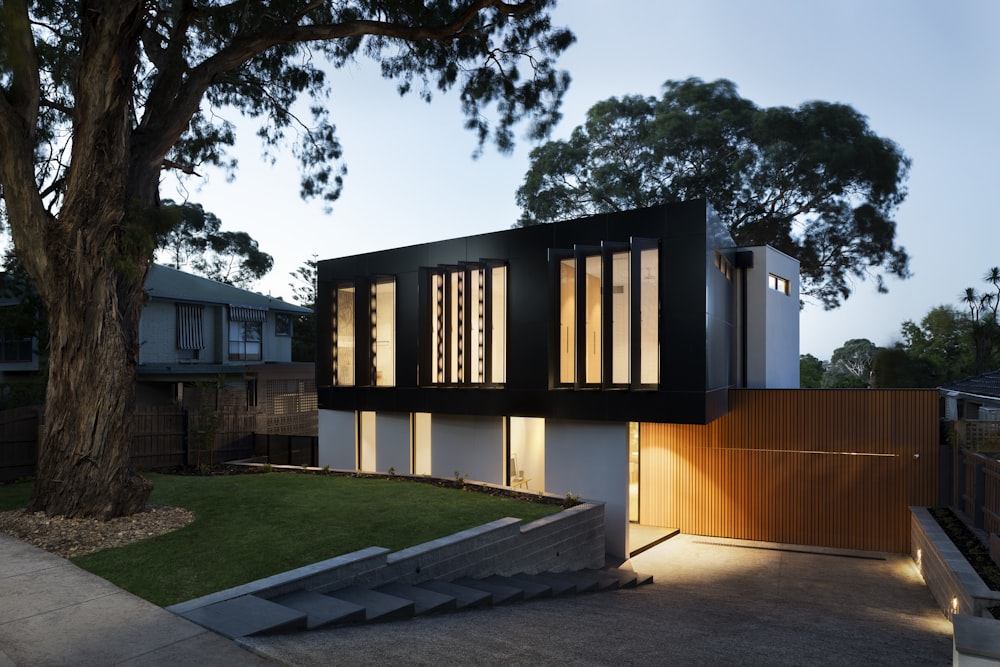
260,613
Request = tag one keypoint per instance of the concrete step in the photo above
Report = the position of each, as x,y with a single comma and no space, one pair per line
425,601
531,589
465,597
322,609
247,615
558,585
378,606
502,593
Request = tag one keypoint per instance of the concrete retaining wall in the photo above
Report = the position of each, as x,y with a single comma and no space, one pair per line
951,579
569,540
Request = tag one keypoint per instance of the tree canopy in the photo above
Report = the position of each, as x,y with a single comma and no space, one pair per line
101,99
814,181
197,243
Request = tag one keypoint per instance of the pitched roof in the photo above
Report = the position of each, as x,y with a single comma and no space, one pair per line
987,384
164,282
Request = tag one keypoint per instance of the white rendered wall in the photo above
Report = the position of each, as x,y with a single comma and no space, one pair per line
472,446
772,322
392,449
590,460
337,447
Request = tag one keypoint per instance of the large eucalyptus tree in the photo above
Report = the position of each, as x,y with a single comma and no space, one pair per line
99,97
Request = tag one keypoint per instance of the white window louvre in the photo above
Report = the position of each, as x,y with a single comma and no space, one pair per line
247,314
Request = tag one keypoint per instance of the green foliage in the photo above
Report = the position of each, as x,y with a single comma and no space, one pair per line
814,181
304,293
253,526
810,372
894,367
850,365
194,241
101,100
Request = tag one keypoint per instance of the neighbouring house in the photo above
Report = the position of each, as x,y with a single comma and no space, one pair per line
202,340
199,336
972,408
529,357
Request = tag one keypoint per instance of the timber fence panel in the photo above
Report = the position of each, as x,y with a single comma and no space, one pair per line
18,442
159,437
836,468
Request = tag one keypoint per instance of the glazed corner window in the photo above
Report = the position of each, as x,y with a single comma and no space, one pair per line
778,284
383,321
608,315
468,324
343,336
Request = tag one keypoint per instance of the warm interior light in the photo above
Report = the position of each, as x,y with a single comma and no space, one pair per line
920,559
954,605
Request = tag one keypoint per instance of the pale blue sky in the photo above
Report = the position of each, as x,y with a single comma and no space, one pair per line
927,75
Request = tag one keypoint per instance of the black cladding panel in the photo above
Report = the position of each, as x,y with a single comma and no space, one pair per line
694,321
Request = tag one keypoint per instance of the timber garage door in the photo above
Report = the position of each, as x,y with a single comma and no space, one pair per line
834,468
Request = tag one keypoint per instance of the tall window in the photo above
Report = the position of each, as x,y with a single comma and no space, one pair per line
468,324
497,348
343,336
592,320
649,316
619,318
567,321
383,318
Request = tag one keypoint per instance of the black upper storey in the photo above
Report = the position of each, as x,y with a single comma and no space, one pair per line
695,322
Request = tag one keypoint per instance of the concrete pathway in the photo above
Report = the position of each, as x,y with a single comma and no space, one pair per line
713,601
54,613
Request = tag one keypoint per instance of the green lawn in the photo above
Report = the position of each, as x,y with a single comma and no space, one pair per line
253,526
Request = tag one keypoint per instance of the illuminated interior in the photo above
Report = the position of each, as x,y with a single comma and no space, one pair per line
384,332
649,314
619,318
567,321
343,337
498,325
592,320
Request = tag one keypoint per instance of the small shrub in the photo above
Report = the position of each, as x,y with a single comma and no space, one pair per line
266,467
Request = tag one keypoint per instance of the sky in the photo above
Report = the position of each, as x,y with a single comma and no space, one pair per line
926,74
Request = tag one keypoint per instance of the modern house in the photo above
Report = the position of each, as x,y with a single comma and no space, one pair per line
530,357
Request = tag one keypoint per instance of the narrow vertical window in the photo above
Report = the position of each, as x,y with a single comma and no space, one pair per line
620,318
498,325
455,326
384,332
437,327
567,321
343,337
592,320
477,326
649,315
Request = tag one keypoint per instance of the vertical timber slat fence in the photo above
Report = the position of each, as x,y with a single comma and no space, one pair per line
835,468
978,490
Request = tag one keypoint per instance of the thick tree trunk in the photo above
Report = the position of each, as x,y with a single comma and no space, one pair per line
83,461
89,265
